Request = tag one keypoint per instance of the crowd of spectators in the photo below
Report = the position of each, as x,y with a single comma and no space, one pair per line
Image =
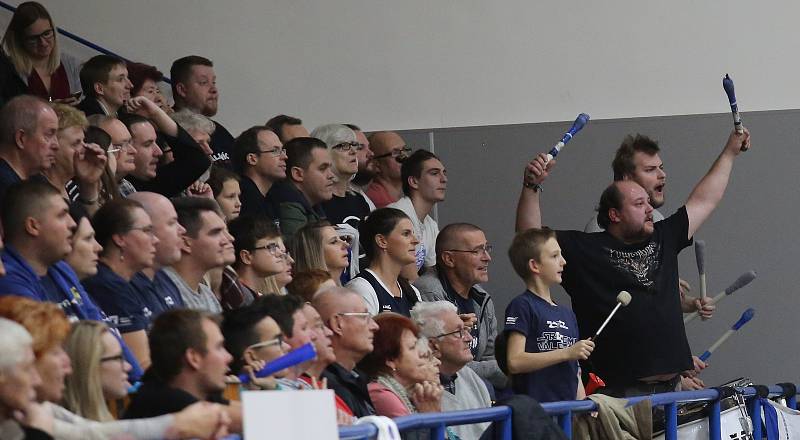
145,244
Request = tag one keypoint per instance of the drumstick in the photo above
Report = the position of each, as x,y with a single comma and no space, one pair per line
743,280
623,299
700,255
727,84
580,121
744,319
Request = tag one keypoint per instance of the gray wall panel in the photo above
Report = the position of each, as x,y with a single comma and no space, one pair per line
753,228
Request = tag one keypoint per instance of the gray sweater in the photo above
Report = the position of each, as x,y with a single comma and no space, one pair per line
471,393
431,289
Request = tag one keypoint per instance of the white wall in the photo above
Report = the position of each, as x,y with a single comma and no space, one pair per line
428,64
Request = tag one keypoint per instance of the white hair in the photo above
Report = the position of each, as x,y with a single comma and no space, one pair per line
428,316
191,121
334,134
15,342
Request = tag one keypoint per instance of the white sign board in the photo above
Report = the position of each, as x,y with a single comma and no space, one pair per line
308,414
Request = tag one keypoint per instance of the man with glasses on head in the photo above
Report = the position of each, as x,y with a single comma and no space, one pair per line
462,263
450,339
260,159
389,150
346,315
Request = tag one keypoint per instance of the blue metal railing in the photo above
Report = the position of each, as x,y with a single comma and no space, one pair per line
563,412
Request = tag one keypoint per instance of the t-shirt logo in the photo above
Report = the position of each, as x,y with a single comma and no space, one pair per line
642,264
223,156
511,320
557,324
550,341
170,302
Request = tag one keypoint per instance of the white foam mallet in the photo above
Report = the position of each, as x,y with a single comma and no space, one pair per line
744,319
623,299
743,280
700,254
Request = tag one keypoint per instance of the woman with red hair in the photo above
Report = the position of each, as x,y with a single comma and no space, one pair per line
400,371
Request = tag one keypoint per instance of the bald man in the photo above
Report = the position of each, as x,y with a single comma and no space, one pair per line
155,287
389,150
28,139
346,315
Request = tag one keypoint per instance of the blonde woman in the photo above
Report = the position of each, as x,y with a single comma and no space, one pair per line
31,45
99,371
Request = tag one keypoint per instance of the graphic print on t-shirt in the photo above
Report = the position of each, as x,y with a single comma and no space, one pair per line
555,340
642,264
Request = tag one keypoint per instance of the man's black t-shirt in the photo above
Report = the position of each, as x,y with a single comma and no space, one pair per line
155,398
647,337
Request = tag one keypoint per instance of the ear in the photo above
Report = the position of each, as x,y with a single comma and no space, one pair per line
249,356
614,215
433,343
381,242
193,358
118,240
246,257
447,259
32,227
186,247
297,174
413,182
391,364
180,88
251,159
98,89
335,325
19,138
533,266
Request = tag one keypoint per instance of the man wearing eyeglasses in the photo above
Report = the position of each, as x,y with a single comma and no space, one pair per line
450,339
346,315
389,150
260,159
462,263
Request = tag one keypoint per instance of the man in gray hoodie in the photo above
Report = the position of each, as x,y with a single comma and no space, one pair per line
462,262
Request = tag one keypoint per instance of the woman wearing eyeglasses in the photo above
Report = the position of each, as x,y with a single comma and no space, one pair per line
319,246
388,239
31,45
99,371
346,204
48,327
124,230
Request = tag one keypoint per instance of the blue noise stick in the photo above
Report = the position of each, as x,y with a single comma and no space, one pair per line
297,356
727,84
582,119
744,319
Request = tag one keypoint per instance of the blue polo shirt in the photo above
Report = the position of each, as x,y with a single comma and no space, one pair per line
119,300
546,327
157,295
60,286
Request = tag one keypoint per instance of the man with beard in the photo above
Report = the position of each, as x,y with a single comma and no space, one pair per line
638,256
366,167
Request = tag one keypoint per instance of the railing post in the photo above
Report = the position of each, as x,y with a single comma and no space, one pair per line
504,431
565,420
438,432
714,429
755,416
671,414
